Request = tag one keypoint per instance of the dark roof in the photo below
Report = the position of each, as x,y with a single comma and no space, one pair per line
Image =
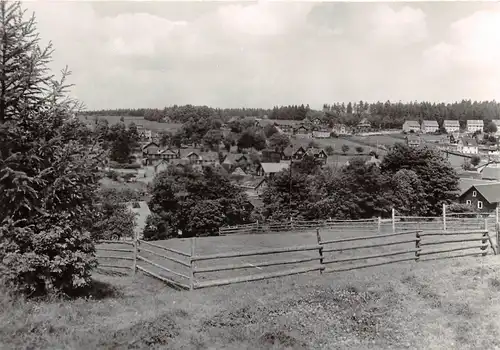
491,192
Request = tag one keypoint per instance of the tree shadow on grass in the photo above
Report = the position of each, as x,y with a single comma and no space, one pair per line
97,290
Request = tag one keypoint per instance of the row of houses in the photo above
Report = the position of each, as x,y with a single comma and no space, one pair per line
272,161
451,126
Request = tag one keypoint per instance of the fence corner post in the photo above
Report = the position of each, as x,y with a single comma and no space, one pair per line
393,220
379,227
320,249
136,248
444,216
191,263
417,246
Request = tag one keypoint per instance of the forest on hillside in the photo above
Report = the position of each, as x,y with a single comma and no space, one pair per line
380,114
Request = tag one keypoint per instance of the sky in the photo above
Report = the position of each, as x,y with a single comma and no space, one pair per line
137,54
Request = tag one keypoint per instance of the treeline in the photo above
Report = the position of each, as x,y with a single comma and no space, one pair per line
392,115
382,115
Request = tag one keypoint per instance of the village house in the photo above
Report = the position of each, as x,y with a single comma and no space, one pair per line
318,153
340,129
238,171
150,150
254,187
413,140
483,197
302,131
169,154
317,121
268,170
429,126
467,145
475,125
233,160
364,125
451,126
411,125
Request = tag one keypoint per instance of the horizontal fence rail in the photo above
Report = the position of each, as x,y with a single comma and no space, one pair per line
339,246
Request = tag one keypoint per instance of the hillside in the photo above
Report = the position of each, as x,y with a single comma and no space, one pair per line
438,305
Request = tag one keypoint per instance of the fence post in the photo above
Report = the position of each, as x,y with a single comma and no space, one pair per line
318,237
393,220
136,248
379,227
496,215
191,263
417,246
444,216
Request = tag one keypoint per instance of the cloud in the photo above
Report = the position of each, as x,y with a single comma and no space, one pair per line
152,54
471,53
403,27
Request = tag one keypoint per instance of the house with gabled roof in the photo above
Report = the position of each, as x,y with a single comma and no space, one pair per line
364,125
168,154
318,153
474,125
429,126
270,169
451,125
467,145
238,171
149,149
411,126
482,197
302,131
413,140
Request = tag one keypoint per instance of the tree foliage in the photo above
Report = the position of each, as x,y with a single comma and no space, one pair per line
48,178
196,203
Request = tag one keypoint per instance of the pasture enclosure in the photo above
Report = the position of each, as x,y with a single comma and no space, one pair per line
194,263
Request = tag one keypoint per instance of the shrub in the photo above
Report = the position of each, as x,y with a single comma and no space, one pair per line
51,258
156,228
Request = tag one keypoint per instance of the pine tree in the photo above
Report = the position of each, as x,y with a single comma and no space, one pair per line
48,178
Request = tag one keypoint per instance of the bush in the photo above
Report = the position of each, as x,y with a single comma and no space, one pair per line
113,175
38,265
157,229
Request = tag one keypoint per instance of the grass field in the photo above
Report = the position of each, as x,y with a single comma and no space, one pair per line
439,305
151,125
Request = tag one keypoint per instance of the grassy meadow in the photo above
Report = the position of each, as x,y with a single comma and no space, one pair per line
434,305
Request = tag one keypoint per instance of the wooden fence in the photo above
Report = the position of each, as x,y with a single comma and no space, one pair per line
187,270
113,254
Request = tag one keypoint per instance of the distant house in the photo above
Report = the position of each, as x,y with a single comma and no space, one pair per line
168,154
317,153
321,134
411,125
238,171
270,169
209,158
302,132
475,125
235,159
298,153
150,149
194,158
483,197
364,125
467,145
429,126
451,126
413,141
254,187
340,129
